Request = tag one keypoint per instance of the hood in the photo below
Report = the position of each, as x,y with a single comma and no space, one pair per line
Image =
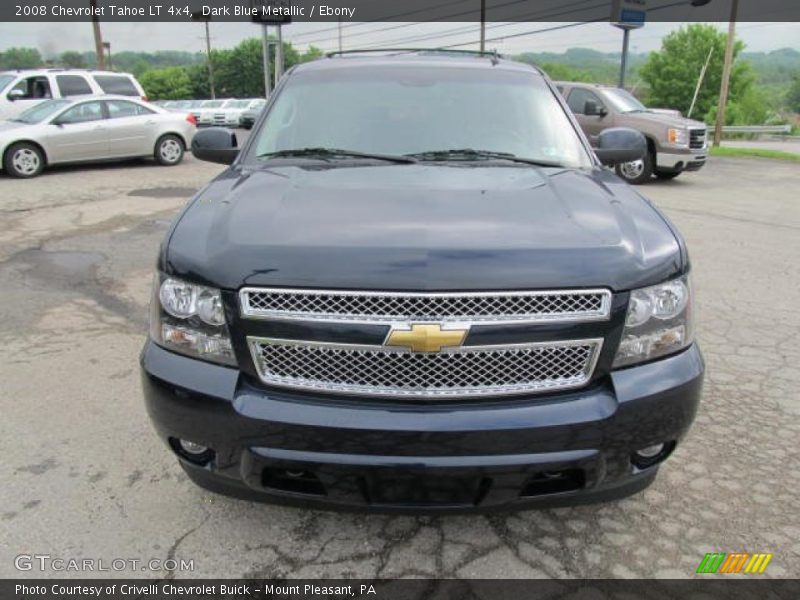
422,227
666,119
8,126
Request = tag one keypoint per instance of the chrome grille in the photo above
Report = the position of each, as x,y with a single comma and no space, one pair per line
463,371
697,138
393,307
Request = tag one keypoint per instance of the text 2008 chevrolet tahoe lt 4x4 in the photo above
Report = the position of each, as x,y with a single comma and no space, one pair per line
417,288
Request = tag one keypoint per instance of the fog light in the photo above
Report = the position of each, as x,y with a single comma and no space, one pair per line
192,447
651,455
650,451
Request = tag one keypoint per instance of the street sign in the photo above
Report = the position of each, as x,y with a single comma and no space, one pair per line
271,12
628,14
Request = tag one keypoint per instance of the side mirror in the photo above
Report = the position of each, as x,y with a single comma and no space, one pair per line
592,109
15,95
217,145
620,145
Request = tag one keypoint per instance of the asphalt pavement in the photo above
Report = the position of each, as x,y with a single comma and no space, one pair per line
84,475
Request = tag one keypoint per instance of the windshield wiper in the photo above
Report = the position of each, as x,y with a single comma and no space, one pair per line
472,154
336,153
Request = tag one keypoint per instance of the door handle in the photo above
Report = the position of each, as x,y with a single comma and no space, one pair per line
150,123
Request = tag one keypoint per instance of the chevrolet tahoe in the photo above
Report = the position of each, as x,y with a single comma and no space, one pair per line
416,287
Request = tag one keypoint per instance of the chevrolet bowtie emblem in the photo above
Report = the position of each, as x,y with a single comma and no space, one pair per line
426,337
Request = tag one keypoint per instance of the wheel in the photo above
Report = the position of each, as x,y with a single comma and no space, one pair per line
638,171
23,160
169,150
667,175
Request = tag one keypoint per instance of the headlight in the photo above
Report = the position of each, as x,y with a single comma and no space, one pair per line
658,322
678,137
190,319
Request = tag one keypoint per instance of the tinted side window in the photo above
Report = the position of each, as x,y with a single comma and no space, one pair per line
73,85
577,100
116,84
82,113
118,109
34,88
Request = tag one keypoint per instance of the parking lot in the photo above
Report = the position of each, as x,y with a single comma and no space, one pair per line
84,476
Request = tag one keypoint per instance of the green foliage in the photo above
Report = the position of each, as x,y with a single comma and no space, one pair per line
560,72
793,95
313,53
72,60
583,64
20,58
672,72
168,83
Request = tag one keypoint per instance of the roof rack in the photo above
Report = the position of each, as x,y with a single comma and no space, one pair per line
493,54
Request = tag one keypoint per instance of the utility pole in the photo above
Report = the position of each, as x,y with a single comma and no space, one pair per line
726,74
483,25
340,34
199,16
265,58
210,62
98,37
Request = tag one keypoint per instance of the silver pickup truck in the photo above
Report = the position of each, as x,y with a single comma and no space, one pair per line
675,143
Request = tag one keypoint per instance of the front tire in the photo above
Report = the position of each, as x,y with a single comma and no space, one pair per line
24,160
638,171
169,150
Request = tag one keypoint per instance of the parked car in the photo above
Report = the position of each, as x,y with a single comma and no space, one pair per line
416,288
675,144
206,111
248,118
92,130
20,90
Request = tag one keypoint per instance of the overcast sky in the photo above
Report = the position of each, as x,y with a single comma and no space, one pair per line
53,38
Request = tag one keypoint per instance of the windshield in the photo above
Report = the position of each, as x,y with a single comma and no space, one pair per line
5,80
212,104
237,103
624,101
410,110
42,111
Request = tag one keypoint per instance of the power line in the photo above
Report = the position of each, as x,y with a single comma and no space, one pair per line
463,30
381,20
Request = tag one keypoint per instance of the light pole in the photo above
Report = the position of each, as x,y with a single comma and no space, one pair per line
107,47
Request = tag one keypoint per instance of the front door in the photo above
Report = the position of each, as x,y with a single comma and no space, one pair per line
592,125
79,133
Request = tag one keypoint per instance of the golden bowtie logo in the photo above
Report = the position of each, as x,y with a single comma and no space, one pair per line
426,337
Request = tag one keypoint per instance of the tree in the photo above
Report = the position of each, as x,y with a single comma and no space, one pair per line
20,58
72,60
313,53
793,97
169,83
672,72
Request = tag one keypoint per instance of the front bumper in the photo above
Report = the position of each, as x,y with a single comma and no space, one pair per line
332,452
693,160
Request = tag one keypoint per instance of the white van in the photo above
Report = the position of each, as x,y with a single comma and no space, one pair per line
19,90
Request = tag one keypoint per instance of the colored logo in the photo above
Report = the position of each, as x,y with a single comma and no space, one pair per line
735,562
426,337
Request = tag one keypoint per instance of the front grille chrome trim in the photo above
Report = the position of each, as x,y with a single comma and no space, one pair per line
580,378
598,300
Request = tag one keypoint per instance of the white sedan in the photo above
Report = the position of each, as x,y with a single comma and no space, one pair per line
92,129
